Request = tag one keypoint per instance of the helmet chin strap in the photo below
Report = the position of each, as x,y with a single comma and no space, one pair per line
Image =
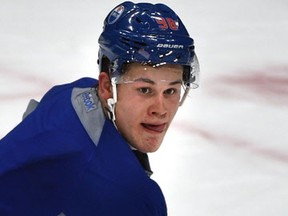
111,102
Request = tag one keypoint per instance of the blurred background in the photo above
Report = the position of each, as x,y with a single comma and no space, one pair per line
226,154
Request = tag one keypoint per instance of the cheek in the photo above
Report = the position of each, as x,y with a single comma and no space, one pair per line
172,108
128,105
175,108
126,113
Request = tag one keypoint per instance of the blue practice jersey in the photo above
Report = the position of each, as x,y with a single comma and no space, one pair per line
67,159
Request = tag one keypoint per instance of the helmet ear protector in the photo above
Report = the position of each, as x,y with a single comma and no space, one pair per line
150,34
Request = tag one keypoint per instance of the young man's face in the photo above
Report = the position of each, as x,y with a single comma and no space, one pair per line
148,98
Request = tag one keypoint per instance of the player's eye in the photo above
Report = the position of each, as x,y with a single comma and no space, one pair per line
145,90
170,91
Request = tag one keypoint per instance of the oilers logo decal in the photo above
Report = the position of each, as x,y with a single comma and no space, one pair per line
115,14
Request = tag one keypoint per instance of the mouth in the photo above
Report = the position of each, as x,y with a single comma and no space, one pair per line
155,128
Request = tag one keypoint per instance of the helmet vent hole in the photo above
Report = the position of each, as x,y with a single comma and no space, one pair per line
138,20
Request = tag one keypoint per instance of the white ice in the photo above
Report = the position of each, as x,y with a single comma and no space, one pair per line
226,153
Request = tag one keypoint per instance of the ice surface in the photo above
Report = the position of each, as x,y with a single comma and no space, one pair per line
226,153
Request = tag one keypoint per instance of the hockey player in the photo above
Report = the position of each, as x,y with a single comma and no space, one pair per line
82,150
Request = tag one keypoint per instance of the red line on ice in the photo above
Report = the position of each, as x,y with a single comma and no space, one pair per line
234,142
268,85
26,79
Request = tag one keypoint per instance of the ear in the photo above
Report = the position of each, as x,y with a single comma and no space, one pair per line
104,86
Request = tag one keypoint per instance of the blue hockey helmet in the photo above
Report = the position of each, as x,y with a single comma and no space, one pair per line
150,34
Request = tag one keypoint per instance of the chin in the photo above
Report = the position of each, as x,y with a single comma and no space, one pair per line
153,150
147,144
151,147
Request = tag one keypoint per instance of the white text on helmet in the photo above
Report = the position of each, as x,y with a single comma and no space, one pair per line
171,46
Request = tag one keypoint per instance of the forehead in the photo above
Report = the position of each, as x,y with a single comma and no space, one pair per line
168,71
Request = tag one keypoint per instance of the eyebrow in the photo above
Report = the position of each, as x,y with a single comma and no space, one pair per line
146,80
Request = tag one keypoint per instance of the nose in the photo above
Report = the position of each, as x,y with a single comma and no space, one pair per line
158,107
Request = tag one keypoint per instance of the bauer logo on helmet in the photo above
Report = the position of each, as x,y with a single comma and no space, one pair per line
170,46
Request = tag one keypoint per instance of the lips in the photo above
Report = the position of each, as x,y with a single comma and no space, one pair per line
157,128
